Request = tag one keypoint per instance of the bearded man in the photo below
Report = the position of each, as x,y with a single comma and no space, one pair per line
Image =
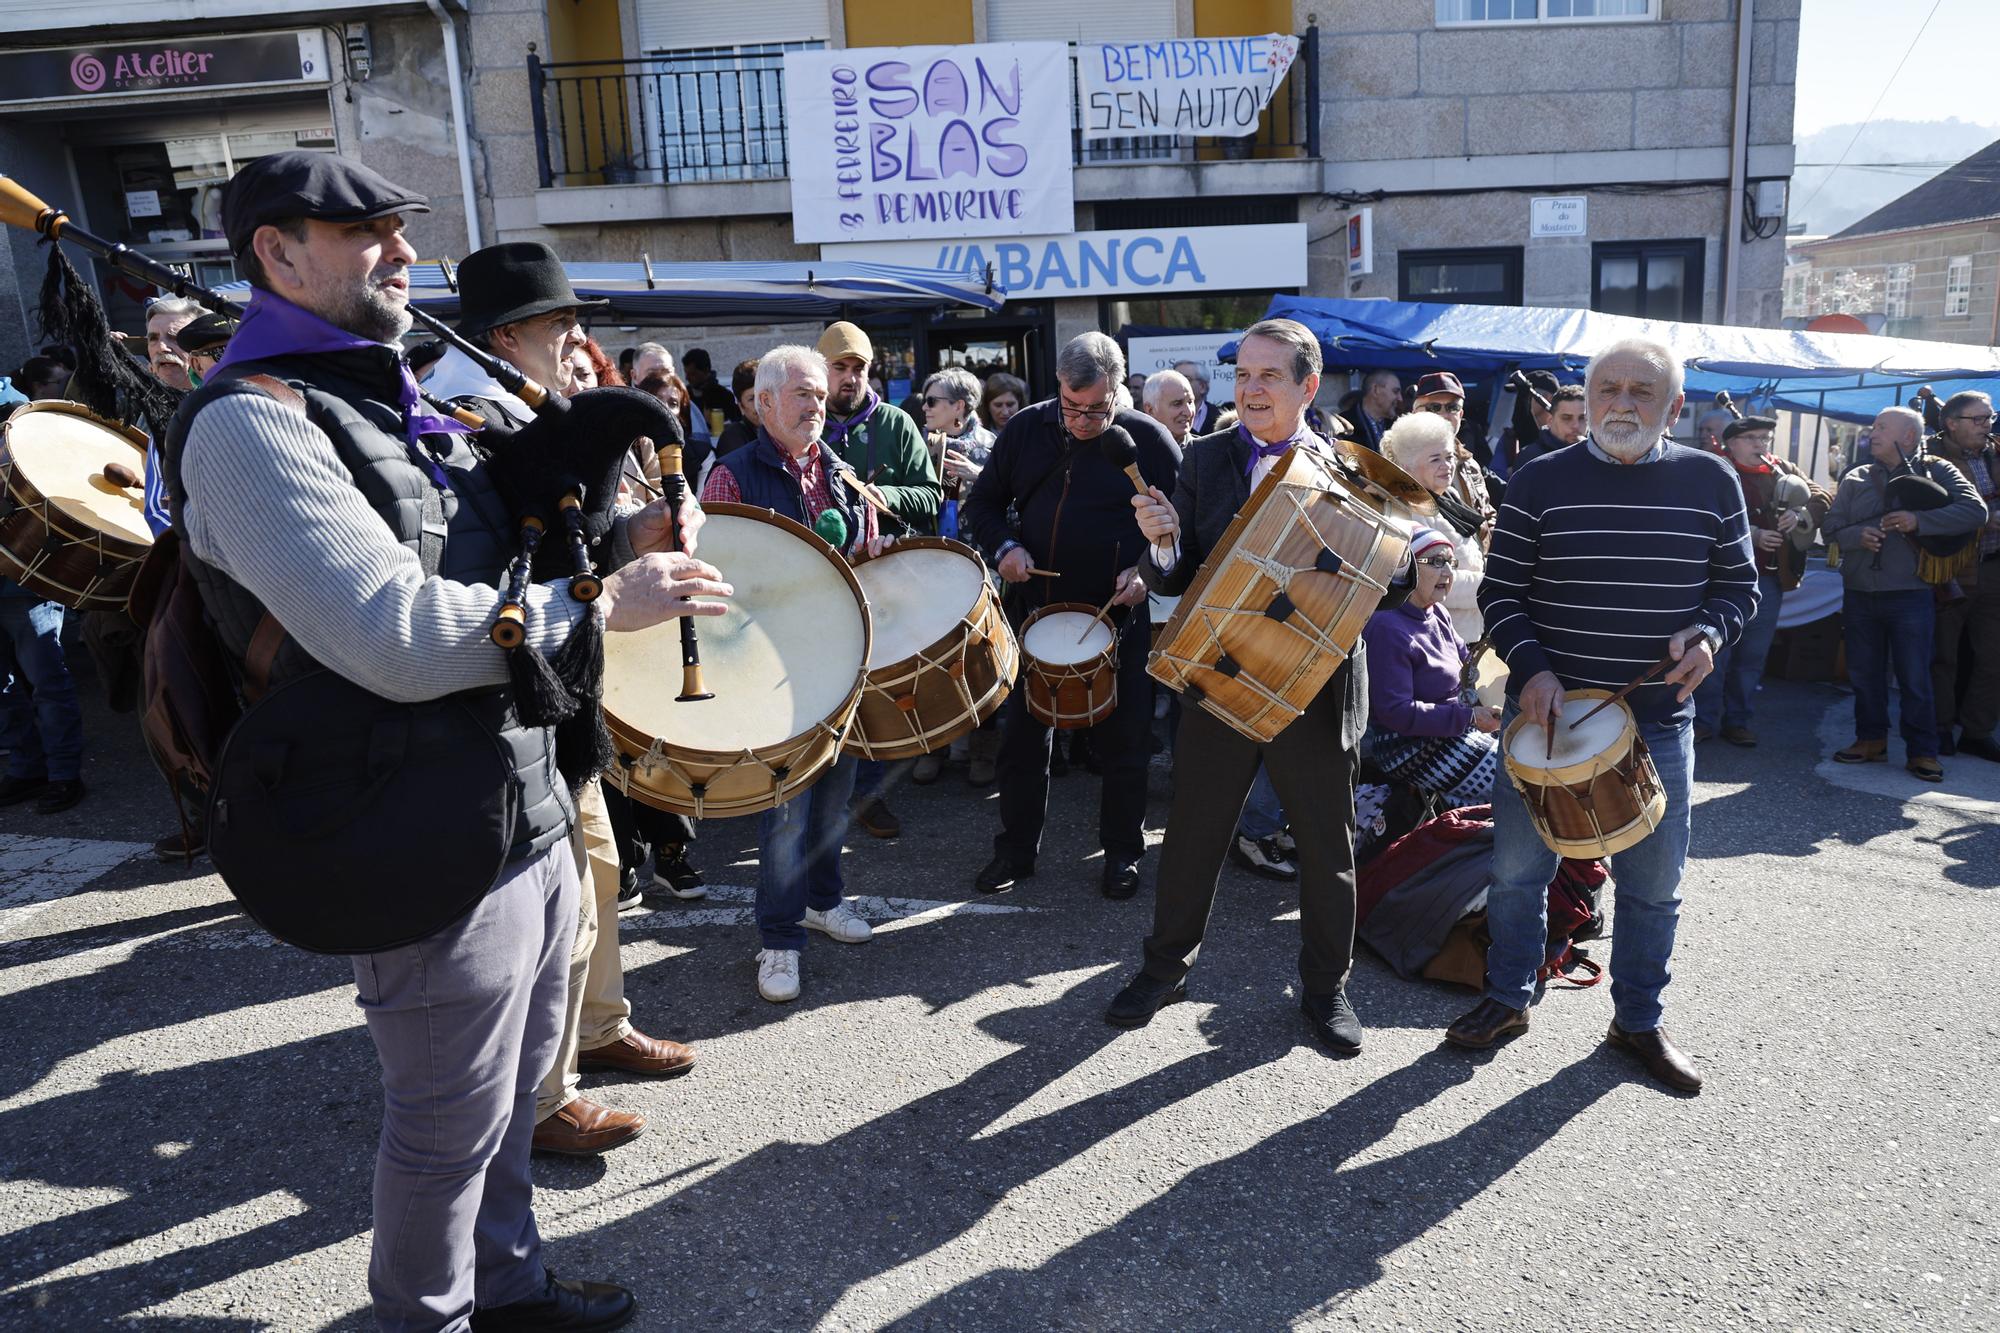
1608,556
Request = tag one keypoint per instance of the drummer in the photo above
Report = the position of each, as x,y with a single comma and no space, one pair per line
1619,522
789,468
1311,762
1055,513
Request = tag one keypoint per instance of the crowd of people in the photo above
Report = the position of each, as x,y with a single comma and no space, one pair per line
312,487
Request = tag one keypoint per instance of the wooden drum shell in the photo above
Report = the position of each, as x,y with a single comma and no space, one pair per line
1281,601
1596,807
1069,696
48,543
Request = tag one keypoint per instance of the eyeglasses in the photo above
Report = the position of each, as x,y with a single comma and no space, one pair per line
1440,561
1982,418
930,401
1452,409
1071,410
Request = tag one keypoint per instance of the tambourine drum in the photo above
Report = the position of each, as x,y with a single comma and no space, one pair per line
1283,597
786,663
943,658
69,531
1597,792
1069,666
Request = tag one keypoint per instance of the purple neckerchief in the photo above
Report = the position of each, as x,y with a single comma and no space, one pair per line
1259,451
835,433
273,327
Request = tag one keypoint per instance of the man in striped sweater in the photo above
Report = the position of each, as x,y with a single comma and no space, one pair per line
1607,557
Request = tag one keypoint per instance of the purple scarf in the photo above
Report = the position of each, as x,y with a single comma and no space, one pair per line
835,433
1259,451
274,327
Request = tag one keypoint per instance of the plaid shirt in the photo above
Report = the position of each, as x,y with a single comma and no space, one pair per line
1978,470
810,473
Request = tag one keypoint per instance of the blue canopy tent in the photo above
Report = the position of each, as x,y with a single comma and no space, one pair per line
1850,376
745,293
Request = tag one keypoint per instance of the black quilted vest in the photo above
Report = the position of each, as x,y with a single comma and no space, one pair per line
352,397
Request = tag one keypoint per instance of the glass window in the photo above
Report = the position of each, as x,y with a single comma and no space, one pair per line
1798,278
1477,277
1896,292
1649,279
1451,12
1958,287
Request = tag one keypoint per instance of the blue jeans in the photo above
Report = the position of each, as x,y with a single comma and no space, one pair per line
1732,687
1262,815
41,724
1884,629
798,862
870,776
1647,876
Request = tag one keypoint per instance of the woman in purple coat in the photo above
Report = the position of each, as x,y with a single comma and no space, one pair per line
1423,729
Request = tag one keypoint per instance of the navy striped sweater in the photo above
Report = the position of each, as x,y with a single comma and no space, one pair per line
1595,565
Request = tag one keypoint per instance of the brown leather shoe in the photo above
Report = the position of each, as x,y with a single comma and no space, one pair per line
1742,736
1663,1060
876,819
1863,752
1925,766
637,1053
1488,1022
585,1129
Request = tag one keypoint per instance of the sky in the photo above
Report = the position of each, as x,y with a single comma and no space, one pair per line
1847,49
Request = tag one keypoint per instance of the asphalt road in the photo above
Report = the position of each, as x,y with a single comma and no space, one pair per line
943,1134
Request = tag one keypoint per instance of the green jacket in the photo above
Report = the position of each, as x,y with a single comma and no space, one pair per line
889,452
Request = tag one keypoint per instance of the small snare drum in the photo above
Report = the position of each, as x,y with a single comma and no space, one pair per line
1069,666
1596,792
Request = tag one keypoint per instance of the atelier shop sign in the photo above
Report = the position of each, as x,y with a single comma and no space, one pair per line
153,67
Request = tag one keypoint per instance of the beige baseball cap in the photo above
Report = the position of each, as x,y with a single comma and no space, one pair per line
845,339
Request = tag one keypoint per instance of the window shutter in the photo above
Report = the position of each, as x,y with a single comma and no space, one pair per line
678,25
1066,20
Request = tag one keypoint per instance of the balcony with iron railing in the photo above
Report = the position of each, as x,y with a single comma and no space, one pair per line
717,116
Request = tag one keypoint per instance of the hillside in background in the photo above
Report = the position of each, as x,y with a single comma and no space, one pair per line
1926,147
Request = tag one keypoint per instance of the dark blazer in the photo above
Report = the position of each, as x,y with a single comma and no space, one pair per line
1213,484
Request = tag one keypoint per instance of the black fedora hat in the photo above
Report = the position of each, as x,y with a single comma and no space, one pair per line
513,281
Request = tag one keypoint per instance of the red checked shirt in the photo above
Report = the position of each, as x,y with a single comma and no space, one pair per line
810,473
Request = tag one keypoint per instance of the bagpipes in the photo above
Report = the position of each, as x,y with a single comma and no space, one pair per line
558,472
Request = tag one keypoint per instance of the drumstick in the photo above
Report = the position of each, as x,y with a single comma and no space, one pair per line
1123,452
1634,684
1103,614
1043,573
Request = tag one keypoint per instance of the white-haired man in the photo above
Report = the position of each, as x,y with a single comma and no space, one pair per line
1169,399
1205,413
789,469
165,318
1311,763
1608,557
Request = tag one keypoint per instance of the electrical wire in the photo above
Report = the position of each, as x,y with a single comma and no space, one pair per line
1935,4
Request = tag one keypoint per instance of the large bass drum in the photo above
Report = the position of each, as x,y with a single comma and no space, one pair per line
72,505
786,662
1280,601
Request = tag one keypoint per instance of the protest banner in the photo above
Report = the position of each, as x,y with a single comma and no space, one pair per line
1193,86
889,143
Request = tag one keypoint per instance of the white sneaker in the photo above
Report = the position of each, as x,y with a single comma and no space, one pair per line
778,974
840,922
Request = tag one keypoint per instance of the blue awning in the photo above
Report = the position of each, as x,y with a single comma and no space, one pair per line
736,293
1847,375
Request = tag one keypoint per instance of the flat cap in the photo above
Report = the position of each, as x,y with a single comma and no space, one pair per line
1744,425
206,334
1439,382
300,184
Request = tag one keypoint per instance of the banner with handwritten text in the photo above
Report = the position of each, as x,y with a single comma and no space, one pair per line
890,143
1194,86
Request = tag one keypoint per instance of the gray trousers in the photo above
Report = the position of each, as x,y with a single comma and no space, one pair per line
465,1024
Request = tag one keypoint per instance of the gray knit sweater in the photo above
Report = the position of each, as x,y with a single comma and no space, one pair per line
270,505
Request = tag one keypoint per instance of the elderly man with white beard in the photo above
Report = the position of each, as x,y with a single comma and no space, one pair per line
1607,557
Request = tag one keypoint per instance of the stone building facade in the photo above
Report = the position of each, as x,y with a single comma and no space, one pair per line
1442,128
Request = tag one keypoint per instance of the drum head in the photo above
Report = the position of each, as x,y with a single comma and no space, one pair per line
62,453
1053,638
785,658
916,596
1530,744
